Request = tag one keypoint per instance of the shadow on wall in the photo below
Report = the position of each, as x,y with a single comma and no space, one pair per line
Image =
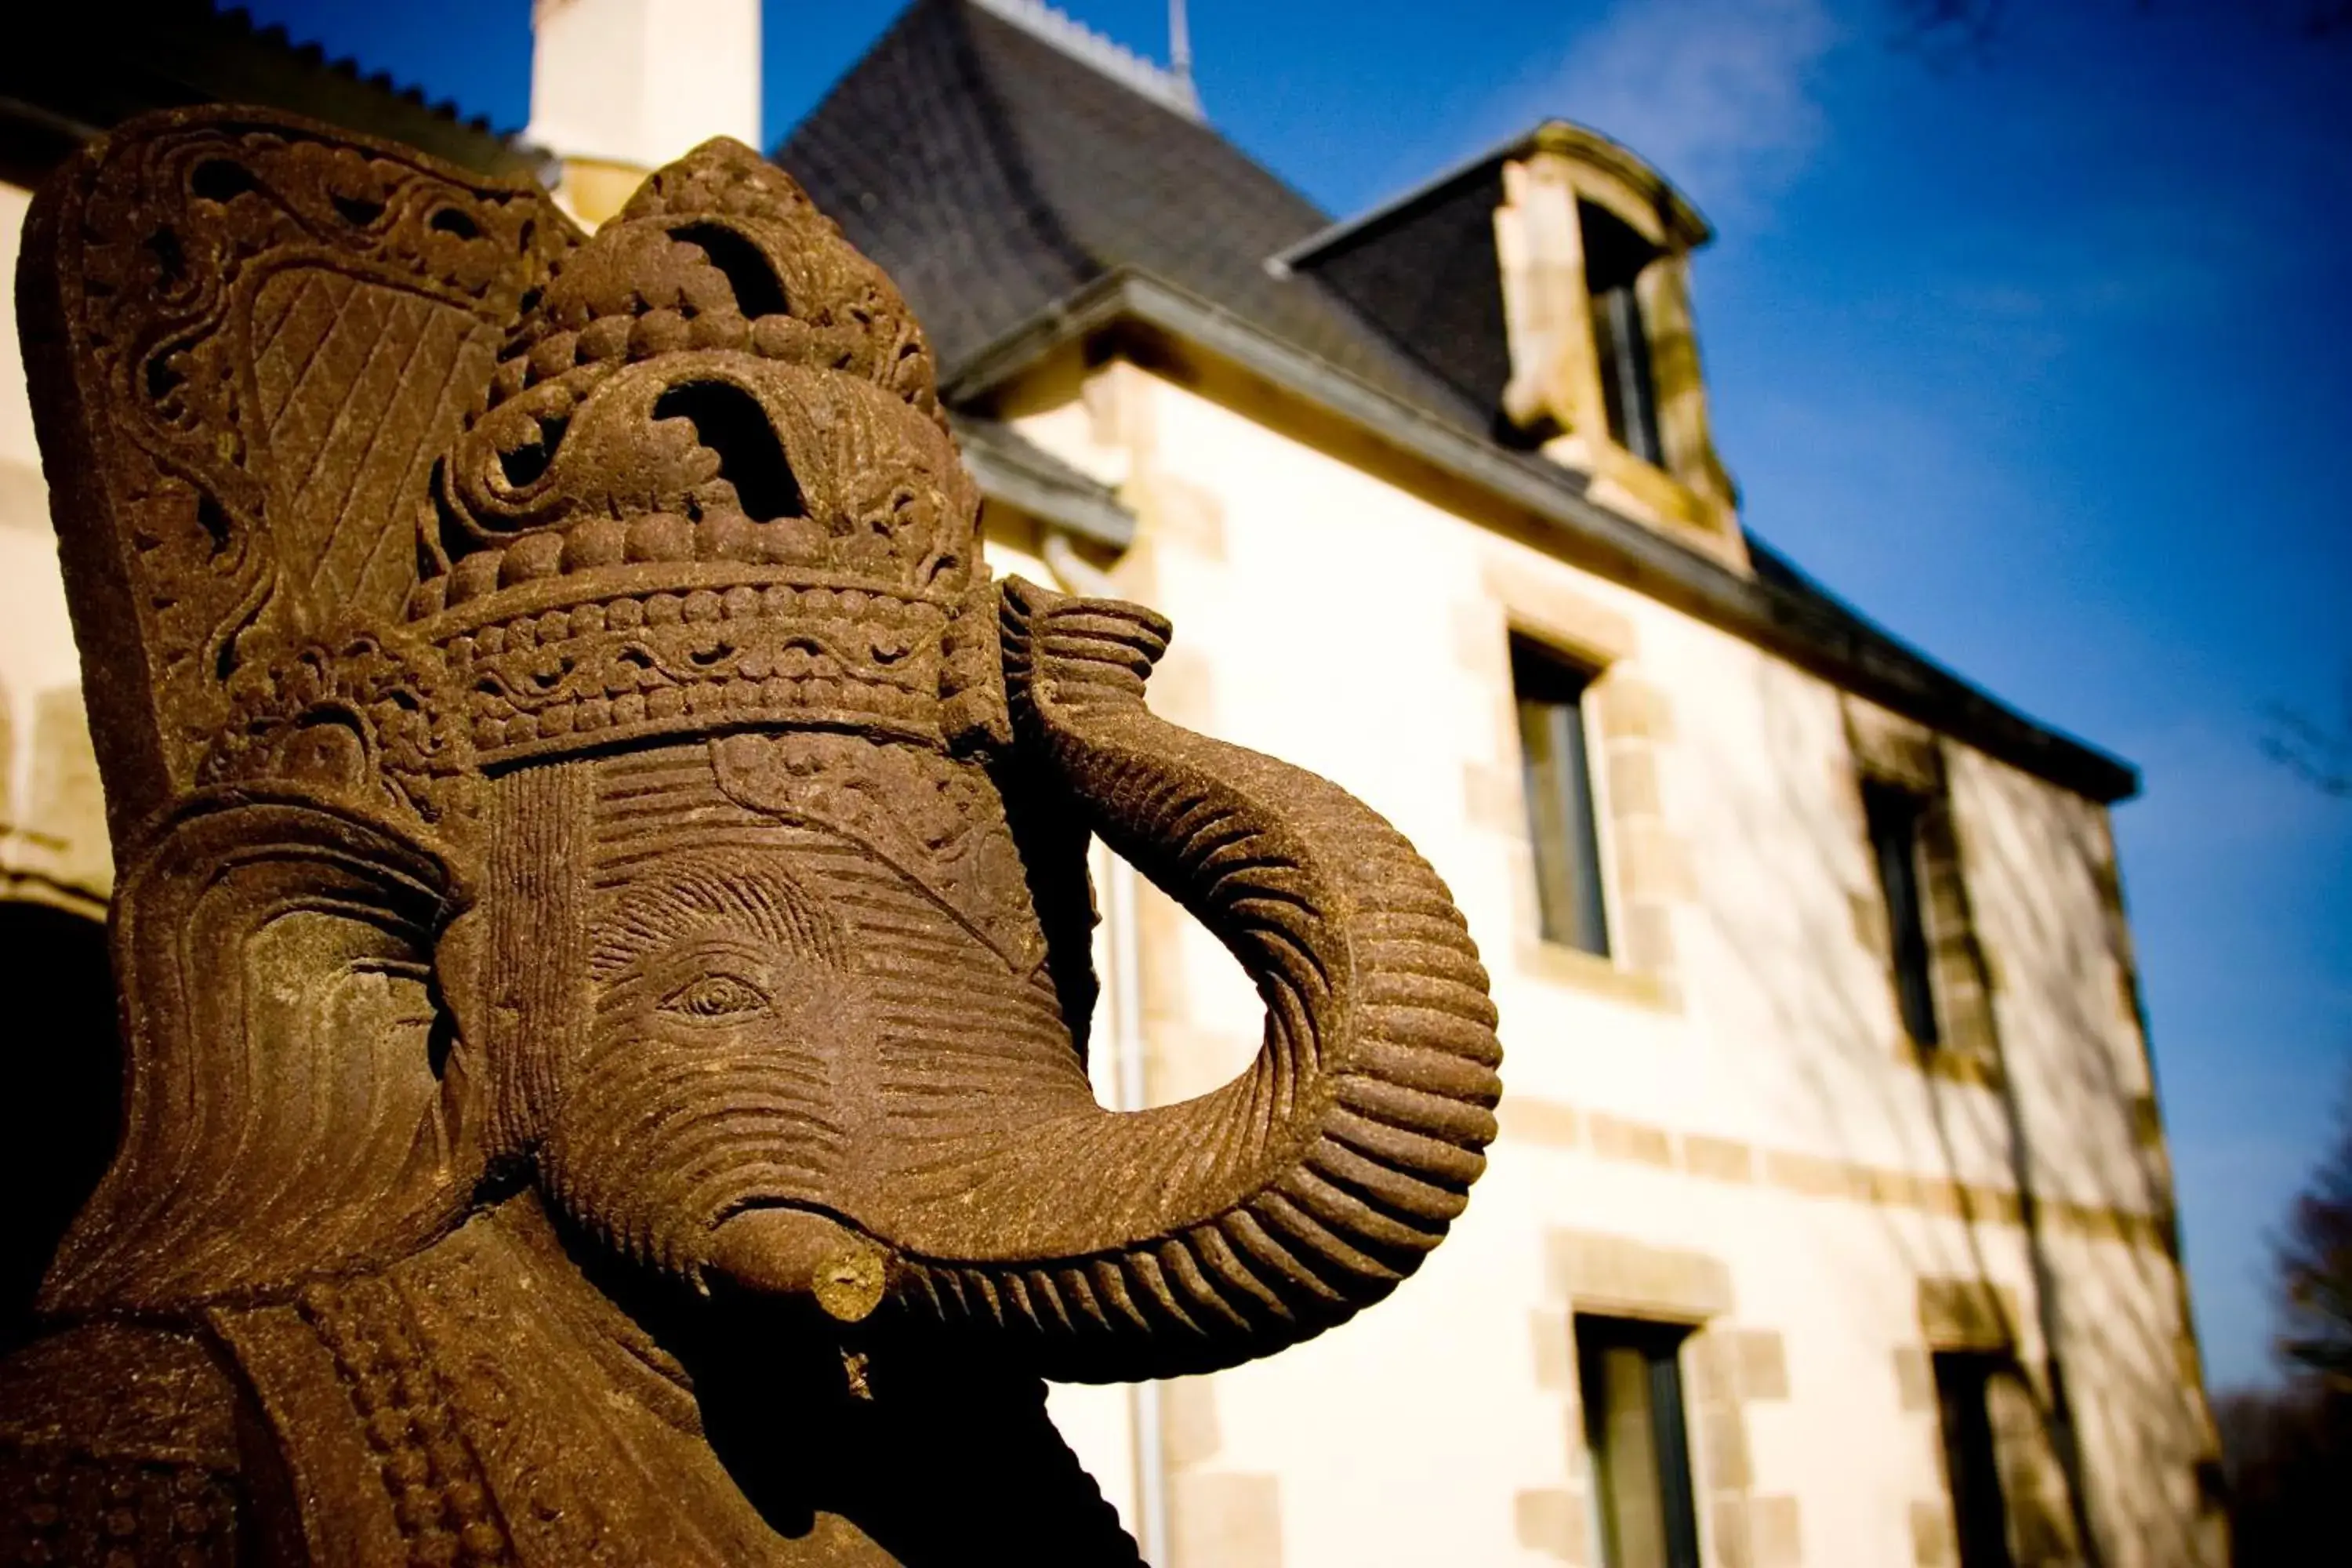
2055,1121
63,1110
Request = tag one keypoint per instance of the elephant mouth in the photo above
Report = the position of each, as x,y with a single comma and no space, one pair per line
791,1250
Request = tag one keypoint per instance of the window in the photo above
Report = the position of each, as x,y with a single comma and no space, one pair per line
1964,1386
1630,1374
1557,776
1894,814
1942,977
1615,256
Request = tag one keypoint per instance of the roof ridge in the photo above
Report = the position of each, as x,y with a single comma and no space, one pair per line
1052,25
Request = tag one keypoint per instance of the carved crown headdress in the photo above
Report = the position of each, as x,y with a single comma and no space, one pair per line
399,480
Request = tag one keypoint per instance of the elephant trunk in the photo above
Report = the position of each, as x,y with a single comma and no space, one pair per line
1193,1237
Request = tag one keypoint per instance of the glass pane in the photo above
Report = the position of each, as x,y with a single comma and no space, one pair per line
2033,1491
1614,260
1633,1508
1674,1503
1631,1388
1627,393
1558,780
1894,818
1606,350
1979,1517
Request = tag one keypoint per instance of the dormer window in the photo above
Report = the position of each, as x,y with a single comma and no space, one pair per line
1614,258
1547,284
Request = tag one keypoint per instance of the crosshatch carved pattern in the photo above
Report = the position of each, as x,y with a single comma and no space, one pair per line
604,919
283,328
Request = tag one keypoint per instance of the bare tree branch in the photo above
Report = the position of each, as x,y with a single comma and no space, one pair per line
1967,26
2319,754
2315,1268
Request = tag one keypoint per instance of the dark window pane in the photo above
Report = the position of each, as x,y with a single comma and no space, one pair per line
1893,814
1558,780
1627,393
1673,1456
1971,1466
1615,256
1625,1457
1631,1379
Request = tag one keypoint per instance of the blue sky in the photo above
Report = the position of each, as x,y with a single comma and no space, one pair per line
2035,350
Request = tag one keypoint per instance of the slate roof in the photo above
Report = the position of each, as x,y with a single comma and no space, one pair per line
1423,266
1427,273
993,173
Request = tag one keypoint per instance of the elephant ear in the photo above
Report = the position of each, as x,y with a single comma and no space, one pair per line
296,1101
248,336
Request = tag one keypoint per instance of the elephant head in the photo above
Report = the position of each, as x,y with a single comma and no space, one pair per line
698,835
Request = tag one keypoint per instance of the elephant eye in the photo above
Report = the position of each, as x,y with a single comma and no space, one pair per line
716,996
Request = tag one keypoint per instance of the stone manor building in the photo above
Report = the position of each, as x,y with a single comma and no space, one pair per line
1830,1222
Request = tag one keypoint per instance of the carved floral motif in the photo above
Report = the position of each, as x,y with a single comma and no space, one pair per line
364,715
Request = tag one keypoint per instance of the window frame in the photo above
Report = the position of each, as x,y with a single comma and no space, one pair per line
1547,659
1617,255
1970,1441
1910,943
1673,1477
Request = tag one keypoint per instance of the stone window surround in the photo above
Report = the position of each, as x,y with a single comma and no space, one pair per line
1884,745
1725,1368
1645,867
1217,1515
1556,371
1966,1313
53,845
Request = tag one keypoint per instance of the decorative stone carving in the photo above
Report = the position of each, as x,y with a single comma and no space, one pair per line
603,915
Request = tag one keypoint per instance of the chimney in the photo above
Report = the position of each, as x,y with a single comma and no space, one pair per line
619,88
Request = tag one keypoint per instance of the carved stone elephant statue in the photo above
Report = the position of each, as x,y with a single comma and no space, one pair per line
603,913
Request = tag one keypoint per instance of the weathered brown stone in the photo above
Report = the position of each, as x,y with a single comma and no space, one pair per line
602,909
1762,1358
1772,1522
1964,1314
1552,1520
1613,1273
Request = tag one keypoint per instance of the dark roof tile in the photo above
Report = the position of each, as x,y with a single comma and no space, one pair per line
993,173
